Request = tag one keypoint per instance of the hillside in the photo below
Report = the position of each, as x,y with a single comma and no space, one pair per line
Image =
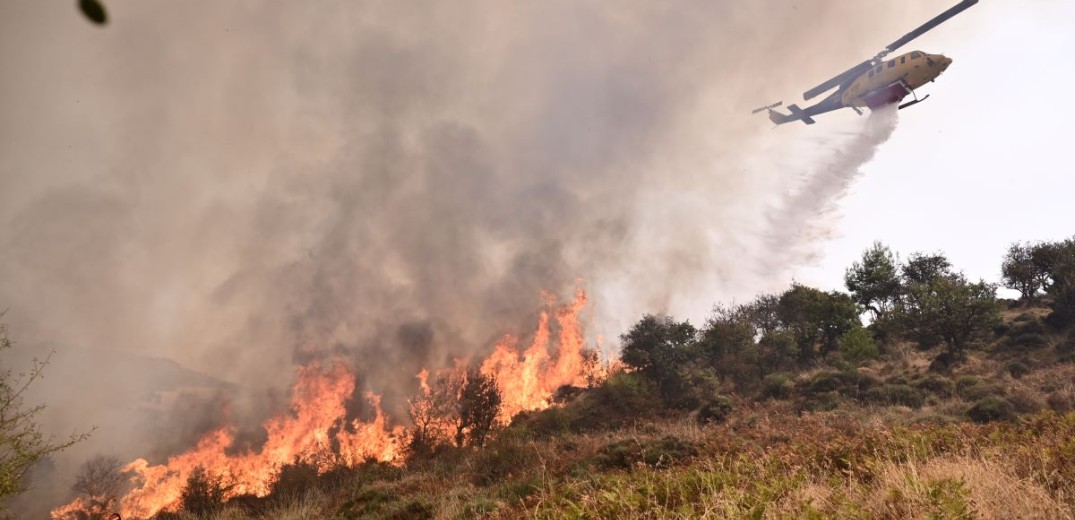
889,439
950,403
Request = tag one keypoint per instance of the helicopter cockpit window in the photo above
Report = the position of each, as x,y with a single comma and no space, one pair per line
871,73
915,55
892,64
878,69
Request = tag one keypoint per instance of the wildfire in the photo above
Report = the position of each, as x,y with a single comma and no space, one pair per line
529,382
317,431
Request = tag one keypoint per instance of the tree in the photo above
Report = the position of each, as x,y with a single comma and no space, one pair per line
1019,271
952,310
923,268
100,482
658,347
1046,256
817,319
478,407
1061,286
874,282
22,443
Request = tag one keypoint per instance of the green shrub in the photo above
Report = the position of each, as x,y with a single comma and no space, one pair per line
983,390
935,384
991,409
966,381
1027,341
1017,369
896,395
622,399
777,386
850,383
660,453
715,410
857,346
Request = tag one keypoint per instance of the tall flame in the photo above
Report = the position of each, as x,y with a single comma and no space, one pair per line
318,416
529,382
316,429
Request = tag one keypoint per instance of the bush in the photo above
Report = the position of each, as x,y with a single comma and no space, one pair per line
991,409
204,493
1025,401
982,390
622,398
896,395
850,383
777,386
294,479
858,346
1027,341
1060,402
936,384
963,382
1017,369
715,410
628,453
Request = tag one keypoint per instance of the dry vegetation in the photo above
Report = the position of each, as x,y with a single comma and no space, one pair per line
951,404
762,463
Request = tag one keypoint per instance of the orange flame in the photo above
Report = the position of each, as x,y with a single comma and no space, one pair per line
529,382
318,415
316,430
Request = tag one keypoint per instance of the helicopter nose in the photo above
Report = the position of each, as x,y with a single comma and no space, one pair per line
944,61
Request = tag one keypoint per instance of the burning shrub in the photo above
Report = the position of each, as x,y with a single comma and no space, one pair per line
478,406
98,484
204,493
295,479
456,408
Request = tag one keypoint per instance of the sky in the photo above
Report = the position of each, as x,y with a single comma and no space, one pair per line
985,161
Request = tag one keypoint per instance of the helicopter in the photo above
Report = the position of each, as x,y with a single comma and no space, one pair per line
875,83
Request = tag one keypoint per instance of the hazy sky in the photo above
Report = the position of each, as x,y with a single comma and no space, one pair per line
987,160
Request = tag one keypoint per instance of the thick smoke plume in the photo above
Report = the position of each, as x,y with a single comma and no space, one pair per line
240,186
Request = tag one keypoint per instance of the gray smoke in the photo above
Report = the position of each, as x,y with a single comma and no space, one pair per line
238,186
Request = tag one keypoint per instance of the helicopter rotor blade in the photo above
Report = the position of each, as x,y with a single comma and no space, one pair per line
926,27
837,80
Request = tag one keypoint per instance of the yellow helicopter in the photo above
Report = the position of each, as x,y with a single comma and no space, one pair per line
875,82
